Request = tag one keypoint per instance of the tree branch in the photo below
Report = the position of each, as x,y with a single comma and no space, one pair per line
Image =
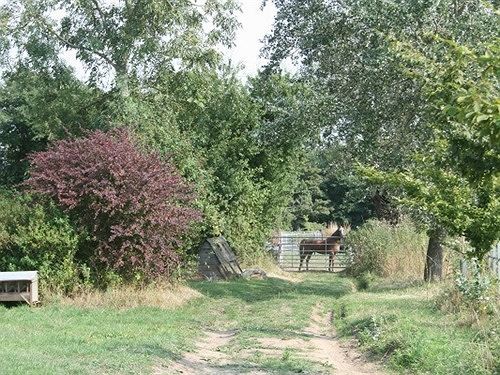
98,8
67,43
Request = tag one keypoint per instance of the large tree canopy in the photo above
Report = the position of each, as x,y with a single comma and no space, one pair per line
42,105
382,115
154,67
130,38
344,47
458,181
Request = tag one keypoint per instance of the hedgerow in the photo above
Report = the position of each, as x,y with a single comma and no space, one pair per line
38,237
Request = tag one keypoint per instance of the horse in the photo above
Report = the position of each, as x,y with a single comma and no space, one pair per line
330,245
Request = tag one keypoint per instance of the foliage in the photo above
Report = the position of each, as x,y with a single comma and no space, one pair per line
134,206
154,68
120,45
132,39
310,205
350,198
41,104
457,180
36,237
477,289
364,280
386,250
378,115
231,142
342,46
330,190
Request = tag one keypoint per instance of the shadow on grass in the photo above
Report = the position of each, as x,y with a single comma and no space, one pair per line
395,285
153,350
13,304
271,288
275,365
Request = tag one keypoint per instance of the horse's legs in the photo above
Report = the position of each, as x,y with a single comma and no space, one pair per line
330,263
301,259
307,261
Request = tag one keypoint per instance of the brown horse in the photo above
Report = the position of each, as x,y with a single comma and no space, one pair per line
330,245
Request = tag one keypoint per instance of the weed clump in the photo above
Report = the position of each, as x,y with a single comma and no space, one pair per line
385,250
365,280
475,294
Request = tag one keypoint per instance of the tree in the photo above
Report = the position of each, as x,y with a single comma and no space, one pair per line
42,104
135,207
237,144
121,46
458,182
345,48
131,39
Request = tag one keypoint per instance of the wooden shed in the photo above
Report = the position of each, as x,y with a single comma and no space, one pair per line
216,260
19,286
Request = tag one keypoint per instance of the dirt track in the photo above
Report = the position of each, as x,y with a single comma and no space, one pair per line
317,343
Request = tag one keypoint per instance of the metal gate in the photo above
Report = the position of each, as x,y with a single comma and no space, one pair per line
286,249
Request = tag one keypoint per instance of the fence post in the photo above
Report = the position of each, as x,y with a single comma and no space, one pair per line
463,267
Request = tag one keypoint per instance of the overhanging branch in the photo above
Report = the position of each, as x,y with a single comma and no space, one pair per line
70,44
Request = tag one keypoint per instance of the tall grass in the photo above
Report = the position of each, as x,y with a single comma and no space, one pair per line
165,296
386,250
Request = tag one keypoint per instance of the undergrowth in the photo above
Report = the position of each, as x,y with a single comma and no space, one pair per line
403,325
385,250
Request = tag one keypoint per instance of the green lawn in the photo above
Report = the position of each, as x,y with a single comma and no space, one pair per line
55,339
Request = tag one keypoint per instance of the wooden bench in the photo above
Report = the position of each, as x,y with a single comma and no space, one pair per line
19,286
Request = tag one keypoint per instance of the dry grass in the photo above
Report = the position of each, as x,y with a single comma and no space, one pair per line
396,252
406,263
269,265
166,296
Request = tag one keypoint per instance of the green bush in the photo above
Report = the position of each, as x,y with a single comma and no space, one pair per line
37,237
364,281
475,292
385,250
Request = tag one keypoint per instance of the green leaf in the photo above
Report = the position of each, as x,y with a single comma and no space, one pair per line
481,118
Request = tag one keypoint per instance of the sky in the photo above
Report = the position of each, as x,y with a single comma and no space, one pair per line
255,24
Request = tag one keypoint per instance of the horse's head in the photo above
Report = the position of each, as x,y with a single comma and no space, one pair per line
329,229
341,231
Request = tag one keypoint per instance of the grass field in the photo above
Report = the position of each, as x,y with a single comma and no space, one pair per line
403,325
400,324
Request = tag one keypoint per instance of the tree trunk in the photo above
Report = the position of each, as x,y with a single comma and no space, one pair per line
434,261
122,83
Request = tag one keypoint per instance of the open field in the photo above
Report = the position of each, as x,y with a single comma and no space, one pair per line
256,327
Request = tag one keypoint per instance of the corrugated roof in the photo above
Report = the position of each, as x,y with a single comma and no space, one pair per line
17,276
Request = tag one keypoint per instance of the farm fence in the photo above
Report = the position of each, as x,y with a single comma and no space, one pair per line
494,259
285,247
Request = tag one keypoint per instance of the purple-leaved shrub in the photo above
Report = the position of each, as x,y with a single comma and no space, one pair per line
135,206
